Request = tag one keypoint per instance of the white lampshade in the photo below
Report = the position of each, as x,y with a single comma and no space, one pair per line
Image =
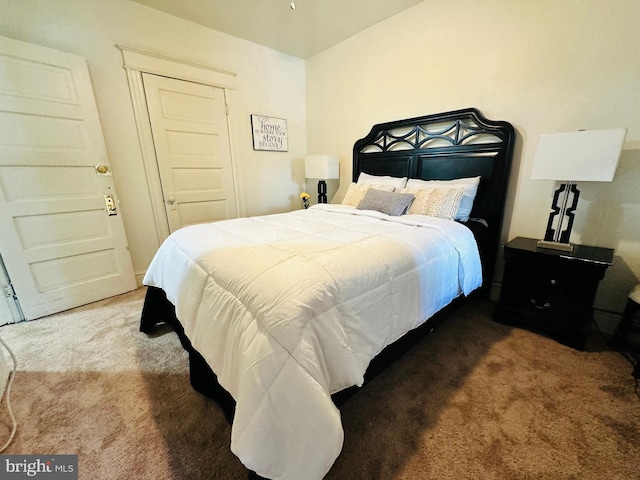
583,156
322,167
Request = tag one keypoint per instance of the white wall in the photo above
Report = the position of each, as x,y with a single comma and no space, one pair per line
545,66
267,83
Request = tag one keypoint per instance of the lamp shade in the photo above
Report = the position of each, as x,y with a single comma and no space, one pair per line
583,156
323,167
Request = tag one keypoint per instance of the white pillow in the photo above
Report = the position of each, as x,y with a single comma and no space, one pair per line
470,189
397,182
355,192
436,202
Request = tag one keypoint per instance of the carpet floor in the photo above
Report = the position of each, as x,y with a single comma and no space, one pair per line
473,400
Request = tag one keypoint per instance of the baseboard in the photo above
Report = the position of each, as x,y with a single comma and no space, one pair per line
5,371
139,276
606,321
494,293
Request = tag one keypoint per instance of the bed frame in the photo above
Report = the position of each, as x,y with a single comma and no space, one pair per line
456,144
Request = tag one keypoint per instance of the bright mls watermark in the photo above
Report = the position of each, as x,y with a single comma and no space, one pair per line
50,467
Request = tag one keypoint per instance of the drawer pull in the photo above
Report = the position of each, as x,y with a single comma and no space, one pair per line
544,306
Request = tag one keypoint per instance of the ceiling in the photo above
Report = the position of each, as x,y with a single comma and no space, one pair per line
313,26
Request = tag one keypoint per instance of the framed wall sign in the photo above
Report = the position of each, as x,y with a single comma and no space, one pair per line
269,133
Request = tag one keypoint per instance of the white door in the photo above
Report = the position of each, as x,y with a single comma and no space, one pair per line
191,138
9,307
60,244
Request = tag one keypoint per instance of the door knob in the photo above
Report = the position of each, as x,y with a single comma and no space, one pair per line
171,199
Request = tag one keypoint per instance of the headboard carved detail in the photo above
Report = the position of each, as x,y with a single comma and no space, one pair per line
421,136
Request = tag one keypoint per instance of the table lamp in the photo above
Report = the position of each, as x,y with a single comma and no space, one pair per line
582,156
322,167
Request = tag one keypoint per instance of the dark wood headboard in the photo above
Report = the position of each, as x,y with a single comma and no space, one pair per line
444,146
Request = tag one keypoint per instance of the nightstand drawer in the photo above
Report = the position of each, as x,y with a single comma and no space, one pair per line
550,288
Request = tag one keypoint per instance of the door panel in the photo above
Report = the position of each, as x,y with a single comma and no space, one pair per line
61,248
191,138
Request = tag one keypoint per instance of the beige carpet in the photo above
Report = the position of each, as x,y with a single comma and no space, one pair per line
473,400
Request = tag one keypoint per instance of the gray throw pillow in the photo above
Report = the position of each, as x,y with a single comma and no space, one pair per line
390,203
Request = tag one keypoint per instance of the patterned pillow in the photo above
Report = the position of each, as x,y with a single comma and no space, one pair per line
386,202
436,202
470,189
356,192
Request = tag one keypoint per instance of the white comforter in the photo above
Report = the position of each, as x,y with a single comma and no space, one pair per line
290,308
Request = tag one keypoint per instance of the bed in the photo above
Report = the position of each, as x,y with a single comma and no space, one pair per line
284,316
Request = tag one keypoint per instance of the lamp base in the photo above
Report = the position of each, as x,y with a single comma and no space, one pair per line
565,247
562,210
322,191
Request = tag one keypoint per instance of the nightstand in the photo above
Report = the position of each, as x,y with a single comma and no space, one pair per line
551,291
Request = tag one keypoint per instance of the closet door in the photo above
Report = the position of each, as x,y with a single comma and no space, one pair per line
191,139
63,241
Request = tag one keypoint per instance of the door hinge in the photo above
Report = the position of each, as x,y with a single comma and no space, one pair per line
9,291
226,108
